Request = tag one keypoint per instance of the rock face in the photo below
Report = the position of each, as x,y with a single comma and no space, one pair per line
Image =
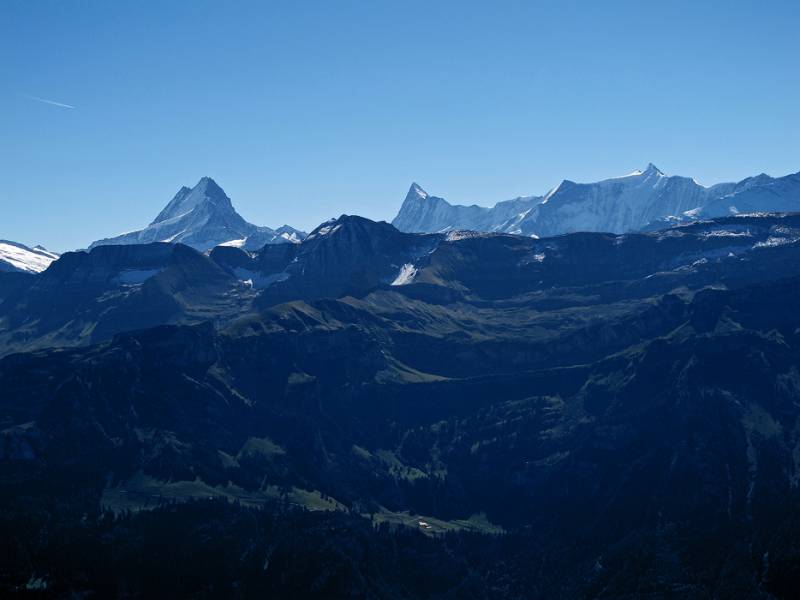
630,203
203,217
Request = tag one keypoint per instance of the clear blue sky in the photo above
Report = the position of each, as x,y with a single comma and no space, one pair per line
306,110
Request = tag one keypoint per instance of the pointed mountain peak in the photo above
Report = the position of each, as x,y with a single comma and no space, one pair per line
415,192
209,186
203,217
651,168
206,192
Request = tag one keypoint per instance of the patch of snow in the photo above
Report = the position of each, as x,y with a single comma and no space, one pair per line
234,243
454,236
419,192
291,237
549,194
326,228
406,275
173,237
773,242
635,173
257,280
725,233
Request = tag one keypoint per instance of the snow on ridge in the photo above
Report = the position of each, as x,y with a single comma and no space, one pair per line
773,241
235,243
725,233
460,234
419,192
326,230
291,237
635,173
173,237
22,258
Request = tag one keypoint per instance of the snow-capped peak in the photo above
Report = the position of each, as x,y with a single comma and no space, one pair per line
18,257
651,168
204,217
618,205
205,193
415,191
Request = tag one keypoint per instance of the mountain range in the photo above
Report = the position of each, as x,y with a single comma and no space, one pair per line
368,412
203,217
643,200
587,415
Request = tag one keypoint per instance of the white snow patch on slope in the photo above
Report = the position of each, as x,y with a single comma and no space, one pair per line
772,242
454,236
326,230
234,243
406,275
725,233
291,237
257,280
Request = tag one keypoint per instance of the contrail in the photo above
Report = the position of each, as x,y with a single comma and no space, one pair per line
51,102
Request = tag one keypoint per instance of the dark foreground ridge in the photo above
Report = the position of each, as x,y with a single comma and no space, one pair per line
379,414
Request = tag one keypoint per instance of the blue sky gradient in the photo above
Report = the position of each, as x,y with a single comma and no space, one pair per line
306,110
